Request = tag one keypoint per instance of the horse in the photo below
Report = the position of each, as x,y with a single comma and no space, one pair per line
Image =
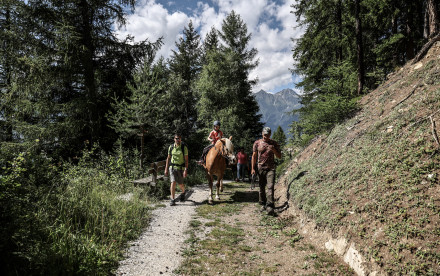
216,164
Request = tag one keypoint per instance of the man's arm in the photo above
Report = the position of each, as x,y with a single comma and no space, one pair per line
167,165
185,172
254,160
276,150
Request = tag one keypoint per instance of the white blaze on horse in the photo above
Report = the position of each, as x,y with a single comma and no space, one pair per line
216,161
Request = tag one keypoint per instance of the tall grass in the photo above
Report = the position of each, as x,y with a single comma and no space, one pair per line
93,220
78,221
74,218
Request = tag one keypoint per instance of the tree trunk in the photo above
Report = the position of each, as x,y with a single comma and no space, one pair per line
339,49
89,70
410,45
360,51
394,32
8,136
425,20
339,24
433,21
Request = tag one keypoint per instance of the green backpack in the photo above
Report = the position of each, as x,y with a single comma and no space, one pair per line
182,146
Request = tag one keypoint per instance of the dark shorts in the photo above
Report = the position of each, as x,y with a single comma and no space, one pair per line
176,174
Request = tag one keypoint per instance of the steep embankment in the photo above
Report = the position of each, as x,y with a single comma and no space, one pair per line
373,182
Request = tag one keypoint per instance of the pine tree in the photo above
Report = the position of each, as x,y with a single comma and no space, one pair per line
340,58
185,66
279,136
211,43
65,65
224,85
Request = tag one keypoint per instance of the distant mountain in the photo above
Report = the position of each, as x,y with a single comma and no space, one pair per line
274,108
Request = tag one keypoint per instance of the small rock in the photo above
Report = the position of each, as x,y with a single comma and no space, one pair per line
418,65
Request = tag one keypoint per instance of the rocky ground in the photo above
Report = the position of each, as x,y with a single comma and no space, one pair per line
158,249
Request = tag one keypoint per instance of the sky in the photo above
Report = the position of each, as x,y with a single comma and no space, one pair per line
270,23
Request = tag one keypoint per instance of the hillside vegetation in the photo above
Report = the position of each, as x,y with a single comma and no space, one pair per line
374,179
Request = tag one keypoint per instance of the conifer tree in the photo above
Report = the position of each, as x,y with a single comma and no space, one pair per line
185,66
65,64
338,60
224,85
279,136
211,43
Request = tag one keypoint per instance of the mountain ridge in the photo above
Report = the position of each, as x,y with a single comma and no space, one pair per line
275,108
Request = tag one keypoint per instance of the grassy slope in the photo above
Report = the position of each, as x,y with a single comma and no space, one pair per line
375,178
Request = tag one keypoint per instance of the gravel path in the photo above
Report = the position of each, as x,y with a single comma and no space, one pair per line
158,250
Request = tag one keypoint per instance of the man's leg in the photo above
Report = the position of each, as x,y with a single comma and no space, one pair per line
182,195
238,172
262,183
243,172
270,178
173,193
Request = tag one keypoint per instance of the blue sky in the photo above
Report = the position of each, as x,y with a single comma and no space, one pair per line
270,22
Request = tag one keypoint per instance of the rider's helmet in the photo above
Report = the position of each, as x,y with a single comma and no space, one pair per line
216,123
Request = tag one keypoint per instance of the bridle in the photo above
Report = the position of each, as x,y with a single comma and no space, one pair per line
224,151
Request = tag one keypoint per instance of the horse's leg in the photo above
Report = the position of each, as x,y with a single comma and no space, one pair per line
209,177
221,185
217,194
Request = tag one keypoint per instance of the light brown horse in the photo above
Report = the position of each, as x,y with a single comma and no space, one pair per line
216,164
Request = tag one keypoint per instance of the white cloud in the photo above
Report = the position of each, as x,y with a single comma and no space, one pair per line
152,20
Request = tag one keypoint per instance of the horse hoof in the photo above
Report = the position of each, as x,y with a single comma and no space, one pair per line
210,202
221,190
217,198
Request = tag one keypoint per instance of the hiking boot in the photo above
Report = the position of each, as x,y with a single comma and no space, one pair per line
270,211
172,202
182,197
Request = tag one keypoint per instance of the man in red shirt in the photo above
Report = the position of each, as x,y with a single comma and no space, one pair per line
264,152
241,164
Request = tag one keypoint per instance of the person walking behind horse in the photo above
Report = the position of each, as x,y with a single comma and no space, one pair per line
177,166
215,135
241,164
264,151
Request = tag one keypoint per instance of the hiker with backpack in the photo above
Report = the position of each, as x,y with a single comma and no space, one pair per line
177,167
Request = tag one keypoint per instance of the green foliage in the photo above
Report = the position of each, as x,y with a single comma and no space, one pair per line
321,115
62,66
73,222
279,136
185,66
326,54
224,88
142,110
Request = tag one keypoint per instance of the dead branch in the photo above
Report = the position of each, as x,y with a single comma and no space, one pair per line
409,95
434,132
421,120
425,48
